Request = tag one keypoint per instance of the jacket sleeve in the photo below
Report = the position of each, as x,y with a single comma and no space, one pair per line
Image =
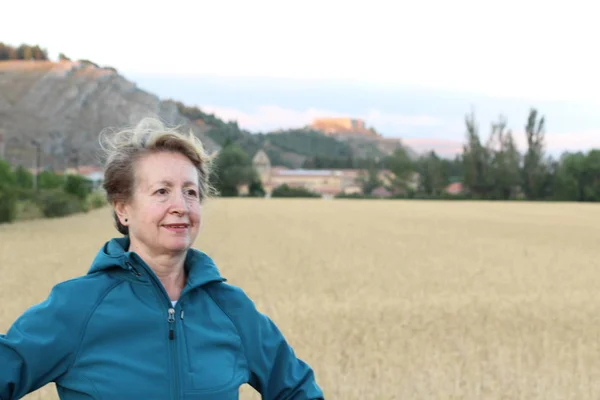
275,370
38,347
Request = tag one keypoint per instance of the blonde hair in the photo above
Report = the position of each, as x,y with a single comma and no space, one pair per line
125,147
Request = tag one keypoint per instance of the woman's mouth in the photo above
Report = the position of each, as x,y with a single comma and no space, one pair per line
177,228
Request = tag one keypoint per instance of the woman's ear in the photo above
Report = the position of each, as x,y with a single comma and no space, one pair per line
121,211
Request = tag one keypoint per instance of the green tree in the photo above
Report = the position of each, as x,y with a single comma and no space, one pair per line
232,168
7,176
370,181
78,186
505,162
434,177
477,178
534,169
23,178
591,176
50,180
570,177
402,167
8,197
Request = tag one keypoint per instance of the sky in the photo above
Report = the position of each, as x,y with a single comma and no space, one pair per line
410,69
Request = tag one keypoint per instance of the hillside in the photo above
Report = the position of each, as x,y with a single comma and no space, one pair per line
296,147
65,105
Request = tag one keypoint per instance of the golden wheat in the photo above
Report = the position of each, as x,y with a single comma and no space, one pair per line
385,299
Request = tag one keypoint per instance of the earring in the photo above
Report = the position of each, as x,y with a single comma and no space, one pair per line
125,219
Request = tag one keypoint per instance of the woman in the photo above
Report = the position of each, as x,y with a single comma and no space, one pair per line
152,318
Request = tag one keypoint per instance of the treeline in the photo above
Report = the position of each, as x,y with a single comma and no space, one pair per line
490,167
24,195
493,168
22,52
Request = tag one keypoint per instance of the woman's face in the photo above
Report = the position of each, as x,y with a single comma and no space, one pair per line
163,216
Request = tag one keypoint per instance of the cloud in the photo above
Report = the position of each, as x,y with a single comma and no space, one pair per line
272,117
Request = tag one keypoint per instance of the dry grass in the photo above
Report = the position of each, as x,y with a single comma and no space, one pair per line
386,300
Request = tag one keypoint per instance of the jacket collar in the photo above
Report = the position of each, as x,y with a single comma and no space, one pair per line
115,253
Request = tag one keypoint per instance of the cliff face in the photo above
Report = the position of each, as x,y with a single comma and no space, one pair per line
66,105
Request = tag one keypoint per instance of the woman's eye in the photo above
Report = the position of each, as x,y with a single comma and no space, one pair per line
161,191
192,192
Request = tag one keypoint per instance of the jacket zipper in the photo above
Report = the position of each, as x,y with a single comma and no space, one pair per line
171,323
174,353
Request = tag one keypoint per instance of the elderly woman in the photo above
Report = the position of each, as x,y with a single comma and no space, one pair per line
152,318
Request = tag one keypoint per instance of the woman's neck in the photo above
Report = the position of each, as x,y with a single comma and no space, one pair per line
169,268
171,275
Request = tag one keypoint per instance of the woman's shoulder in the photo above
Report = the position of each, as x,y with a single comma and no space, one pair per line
78,295
230,298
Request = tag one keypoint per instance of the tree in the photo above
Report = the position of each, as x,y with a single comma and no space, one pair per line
477,178
50,180
256,189
402,168
433,175
591,176
232,168
371,181
569,182
78,186
8,198
505,161
534,169
23,178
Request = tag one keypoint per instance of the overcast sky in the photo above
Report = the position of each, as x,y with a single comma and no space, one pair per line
410,68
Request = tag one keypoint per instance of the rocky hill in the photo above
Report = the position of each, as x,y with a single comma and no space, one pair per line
65,105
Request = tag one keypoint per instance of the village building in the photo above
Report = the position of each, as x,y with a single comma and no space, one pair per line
326,182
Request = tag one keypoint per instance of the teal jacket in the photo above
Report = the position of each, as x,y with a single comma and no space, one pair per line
113,334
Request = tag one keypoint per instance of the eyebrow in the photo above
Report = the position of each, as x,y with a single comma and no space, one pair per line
169,183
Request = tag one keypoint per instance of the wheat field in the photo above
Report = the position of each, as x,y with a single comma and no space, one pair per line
385,299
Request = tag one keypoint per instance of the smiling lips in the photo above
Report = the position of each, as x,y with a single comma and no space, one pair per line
177,227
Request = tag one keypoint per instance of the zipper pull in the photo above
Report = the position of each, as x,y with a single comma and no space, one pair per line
171,323
132,269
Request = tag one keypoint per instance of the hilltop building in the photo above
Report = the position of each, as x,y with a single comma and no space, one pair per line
343,127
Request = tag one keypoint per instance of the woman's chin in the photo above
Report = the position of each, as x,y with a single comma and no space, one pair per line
177,245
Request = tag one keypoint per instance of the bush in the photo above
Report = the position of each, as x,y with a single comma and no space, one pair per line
97,199
352,196
78,186
28,210
287,191
8,206
256,189
57,203
25,194
50,180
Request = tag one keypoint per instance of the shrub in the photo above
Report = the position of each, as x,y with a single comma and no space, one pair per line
57,203
23,178
8,205
50,180
97,199
28,210
287,191
256,189
78,186
25,194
